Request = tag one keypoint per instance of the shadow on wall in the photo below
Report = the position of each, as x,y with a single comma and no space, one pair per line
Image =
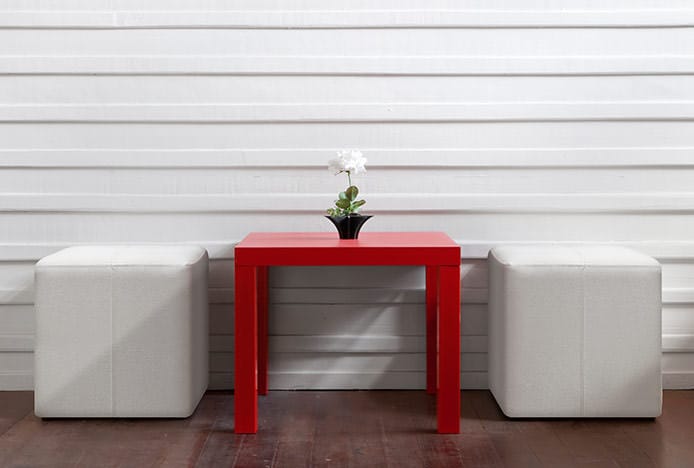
346,327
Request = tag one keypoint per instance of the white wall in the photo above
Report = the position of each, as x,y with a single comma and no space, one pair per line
199,121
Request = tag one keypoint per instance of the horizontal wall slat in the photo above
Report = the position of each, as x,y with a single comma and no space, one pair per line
348,343
527,226
349,362
215,5
430,135
450,65
204,181
348,18
19,361
348,380
379,203
196,89
415,159
678,343
678,380
16,381
350,112
342,43
18,342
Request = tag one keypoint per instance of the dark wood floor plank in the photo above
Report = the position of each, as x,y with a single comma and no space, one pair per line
668,439
600,442
261,449
478,450
403,415
112,442
487,412
221,447
187,438
514,450
349,429
511,446
470,423
331,443
360,428
56,443
439,450
16,438
363,422
296,432
436,450
474,444
15,406
544,443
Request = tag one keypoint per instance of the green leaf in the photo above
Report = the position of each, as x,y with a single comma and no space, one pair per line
342,196
352,192
358,203
344,204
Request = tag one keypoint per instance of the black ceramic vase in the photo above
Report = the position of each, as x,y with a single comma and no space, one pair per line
349,226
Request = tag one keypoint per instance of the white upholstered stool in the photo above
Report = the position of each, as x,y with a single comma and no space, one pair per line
575,332
121,331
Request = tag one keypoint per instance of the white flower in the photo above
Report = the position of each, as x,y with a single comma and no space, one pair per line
335,166
351,161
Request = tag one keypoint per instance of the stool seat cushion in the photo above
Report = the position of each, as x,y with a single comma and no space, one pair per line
578,255
121,331
124,255
575,331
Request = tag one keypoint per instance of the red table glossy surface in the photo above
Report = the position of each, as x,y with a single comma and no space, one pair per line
434,250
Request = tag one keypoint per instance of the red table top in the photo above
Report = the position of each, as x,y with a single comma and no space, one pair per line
372,248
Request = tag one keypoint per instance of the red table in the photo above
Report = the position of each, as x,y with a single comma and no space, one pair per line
434,250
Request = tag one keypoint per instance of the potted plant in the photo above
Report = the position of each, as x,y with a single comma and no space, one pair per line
345,214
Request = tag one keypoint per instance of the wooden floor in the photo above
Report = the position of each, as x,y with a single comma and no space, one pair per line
360,428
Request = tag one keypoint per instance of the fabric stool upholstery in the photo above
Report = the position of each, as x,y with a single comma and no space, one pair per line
575,331
121,331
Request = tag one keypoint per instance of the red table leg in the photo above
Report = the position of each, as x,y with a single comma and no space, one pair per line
432,292
262,329
448,396
246,351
